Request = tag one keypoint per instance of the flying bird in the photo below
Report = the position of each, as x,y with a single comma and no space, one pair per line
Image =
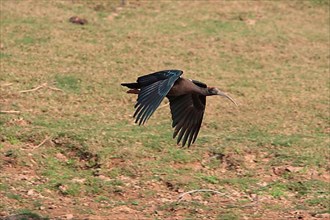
187,101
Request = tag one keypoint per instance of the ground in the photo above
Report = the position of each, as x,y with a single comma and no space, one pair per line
69,148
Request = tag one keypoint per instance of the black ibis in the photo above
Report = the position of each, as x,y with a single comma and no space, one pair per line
187,101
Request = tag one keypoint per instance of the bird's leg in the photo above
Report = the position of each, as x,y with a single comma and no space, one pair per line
133,91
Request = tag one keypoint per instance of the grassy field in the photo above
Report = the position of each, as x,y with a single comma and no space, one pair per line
69,148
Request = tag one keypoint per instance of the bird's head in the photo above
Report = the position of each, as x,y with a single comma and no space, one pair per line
216,91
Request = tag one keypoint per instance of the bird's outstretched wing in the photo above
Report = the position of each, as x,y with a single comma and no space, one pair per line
154,87
187,115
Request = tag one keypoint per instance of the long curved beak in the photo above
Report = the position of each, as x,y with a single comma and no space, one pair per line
227,96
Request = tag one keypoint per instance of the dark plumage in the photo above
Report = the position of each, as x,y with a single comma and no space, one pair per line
187,101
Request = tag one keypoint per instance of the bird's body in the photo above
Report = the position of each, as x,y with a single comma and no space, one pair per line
187,101
184,86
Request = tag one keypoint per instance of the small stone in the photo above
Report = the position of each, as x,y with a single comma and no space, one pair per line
63,189
324,216
105,178
263,184
123,209
78,180
61,157
164,200
201,211
69,216
22,177
52,207
159,212
42,208
293,169
30,192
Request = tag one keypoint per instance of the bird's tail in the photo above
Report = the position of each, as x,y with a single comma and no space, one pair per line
134,87
131,85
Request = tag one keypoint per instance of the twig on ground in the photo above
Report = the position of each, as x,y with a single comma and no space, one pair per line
54,88
34,89
9,112
199,190
43,142
6,84
41,86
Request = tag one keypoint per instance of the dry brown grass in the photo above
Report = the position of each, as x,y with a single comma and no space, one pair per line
269,156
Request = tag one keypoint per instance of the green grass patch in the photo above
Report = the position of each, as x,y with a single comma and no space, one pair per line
320,2
68,83
4,55
244,183
14,196
322,202
4,187
211,179
278,190
25,214
228,216
178,155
